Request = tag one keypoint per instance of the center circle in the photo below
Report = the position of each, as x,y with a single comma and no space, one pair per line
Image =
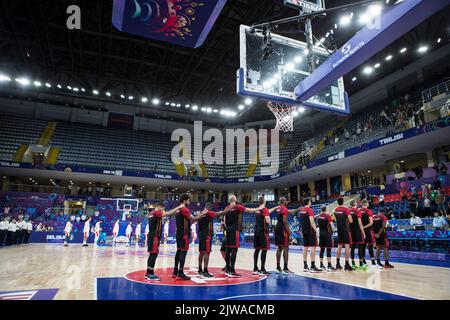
220,279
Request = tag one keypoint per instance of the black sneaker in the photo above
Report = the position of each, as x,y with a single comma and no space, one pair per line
255,271
315,270
387,265
200,272
331,269
152,277
322,267
182,276
348,267
379,264
279,270
85,245
263,272
233,274
306,269
338,267
175,273
206,274
287,271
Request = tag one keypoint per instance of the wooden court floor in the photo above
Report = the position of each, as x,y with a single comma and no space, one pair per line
74,270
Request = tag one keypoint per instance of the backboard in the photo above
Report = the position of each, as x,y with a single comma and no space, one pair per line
273,73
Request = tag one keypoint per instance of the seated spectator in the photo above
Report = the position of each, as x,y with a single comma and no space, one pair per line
438,221
381,200
414,220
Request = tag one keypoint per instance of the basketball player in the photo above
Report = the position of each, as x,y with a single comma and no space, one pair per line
3,231
282,235
128,231
137,235
86,229
194,233
309,236
116,230
358,236
369,241
205,230
234,213
154,234
379,227
261,241
67,232
223,247
325,222
183,218
166,231
97,230
343,218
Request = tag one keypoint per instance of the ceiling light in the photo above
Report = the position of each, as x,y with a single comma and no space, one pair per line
403,50
83,89
195,107
423,49
345,20
376,66
155,101
69,87
187,106
122,96
248,101
48,85
95,92
4,78
301,109
439,40
37,84
75,89
368,70
354,79
173,104
59,86
241,107
108,94
130,98
375,9
23,81
389,57
144,99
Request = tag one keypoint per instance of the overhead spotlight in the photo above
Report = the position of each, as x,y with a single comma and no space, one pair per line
178,105
75,89
345,20
144,99
241,107
322,40
155,101
215,111
376,66
95,92
4,78
23,81
37,84
203,109
439,40
187,106
167,103
298,59
195,107
83,89
59,86
375,10
368,70
48,85
403,50
69,87
248,101
173,104
354,79
389,57
122,96
301,109
422,49
108,94
130,98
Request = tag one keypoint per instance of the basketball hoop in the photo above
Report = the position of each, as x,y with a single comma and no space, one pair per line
284,114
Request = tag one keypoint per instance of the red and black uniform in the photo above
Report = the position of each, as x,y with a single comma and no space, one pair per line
205,231
183,228
341,214
357,237
281,234
234,226
365,219
261,238
325,231
378,221
309,234
155,231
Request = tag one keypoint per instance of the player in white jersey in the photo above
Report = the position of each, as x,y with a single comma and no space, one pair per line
128,232
67,232
116,230
29,231
166,231
137,233
194,232
97,230
3,231
147,230
86,230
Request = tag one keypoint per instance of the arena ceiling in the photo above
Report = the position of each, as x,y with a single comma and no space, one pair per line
34,41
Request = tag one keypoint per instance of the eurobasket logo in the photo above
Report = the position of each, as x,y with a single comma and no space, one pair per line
237,142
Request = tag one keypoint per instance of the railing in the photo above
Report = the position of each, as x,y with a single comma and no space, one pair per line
427,95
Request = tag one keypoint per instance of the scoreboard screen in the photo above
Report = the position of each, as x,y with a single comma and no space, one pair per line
306,5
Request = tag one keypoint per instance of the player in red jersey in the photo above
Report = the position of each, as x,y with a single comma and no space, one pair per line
358,235
154,237
234,212
379,227
309,236
343,218
261,241
282,235
205,227
369,241
325,222
183,218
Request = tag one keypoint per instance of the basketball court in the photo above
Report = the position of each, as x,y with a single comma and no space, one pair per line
117,273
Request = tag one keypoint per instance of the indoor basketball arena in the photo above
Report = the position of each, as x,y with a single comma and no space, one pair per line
226,150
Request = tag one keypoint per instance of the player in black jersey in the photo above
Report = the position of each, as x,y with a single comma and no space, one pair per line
358,236
309,236
154,238
261,241
367,222
205,225
379,227
183,218
325,222
343,217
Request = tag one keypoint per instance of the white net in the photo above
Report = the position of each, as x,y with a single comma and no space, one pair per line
284,114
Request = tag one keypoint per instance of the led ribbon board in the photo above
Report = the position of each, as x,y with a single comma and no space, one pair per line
182,22
367,42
